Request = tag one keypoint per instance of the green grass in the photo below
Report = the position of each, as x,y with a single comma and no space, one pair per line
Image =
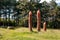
24,34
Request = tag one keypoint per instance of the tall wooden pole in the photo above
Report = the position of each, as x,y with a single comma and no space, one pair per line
44,26
30,21
38,20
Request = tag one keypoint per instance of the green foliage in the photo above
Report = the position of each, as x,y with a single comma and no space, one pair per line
50,12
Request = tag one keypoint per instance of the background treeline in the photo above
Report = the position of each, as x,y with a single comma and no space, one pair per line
50,12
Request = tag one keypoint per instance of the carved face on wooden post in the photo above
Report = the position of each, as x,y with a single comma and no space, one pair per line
30,21
38,20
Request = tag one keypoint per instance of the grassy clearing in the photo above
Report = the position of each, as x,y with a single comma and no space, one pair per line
24,34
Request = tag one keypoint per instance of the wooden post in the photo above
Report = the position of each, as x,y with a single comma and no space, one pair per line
38,20
44,26
30,21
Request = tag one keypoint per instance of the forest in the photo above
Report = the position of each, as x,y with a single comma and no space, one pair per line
15,13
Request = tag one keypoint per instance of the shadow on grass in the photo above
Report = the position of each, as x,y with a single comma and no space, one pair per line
6,27
32,32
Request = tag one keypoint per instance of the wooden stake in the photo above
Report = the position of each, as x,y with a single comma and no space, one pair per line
44,26
30,21
38,20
